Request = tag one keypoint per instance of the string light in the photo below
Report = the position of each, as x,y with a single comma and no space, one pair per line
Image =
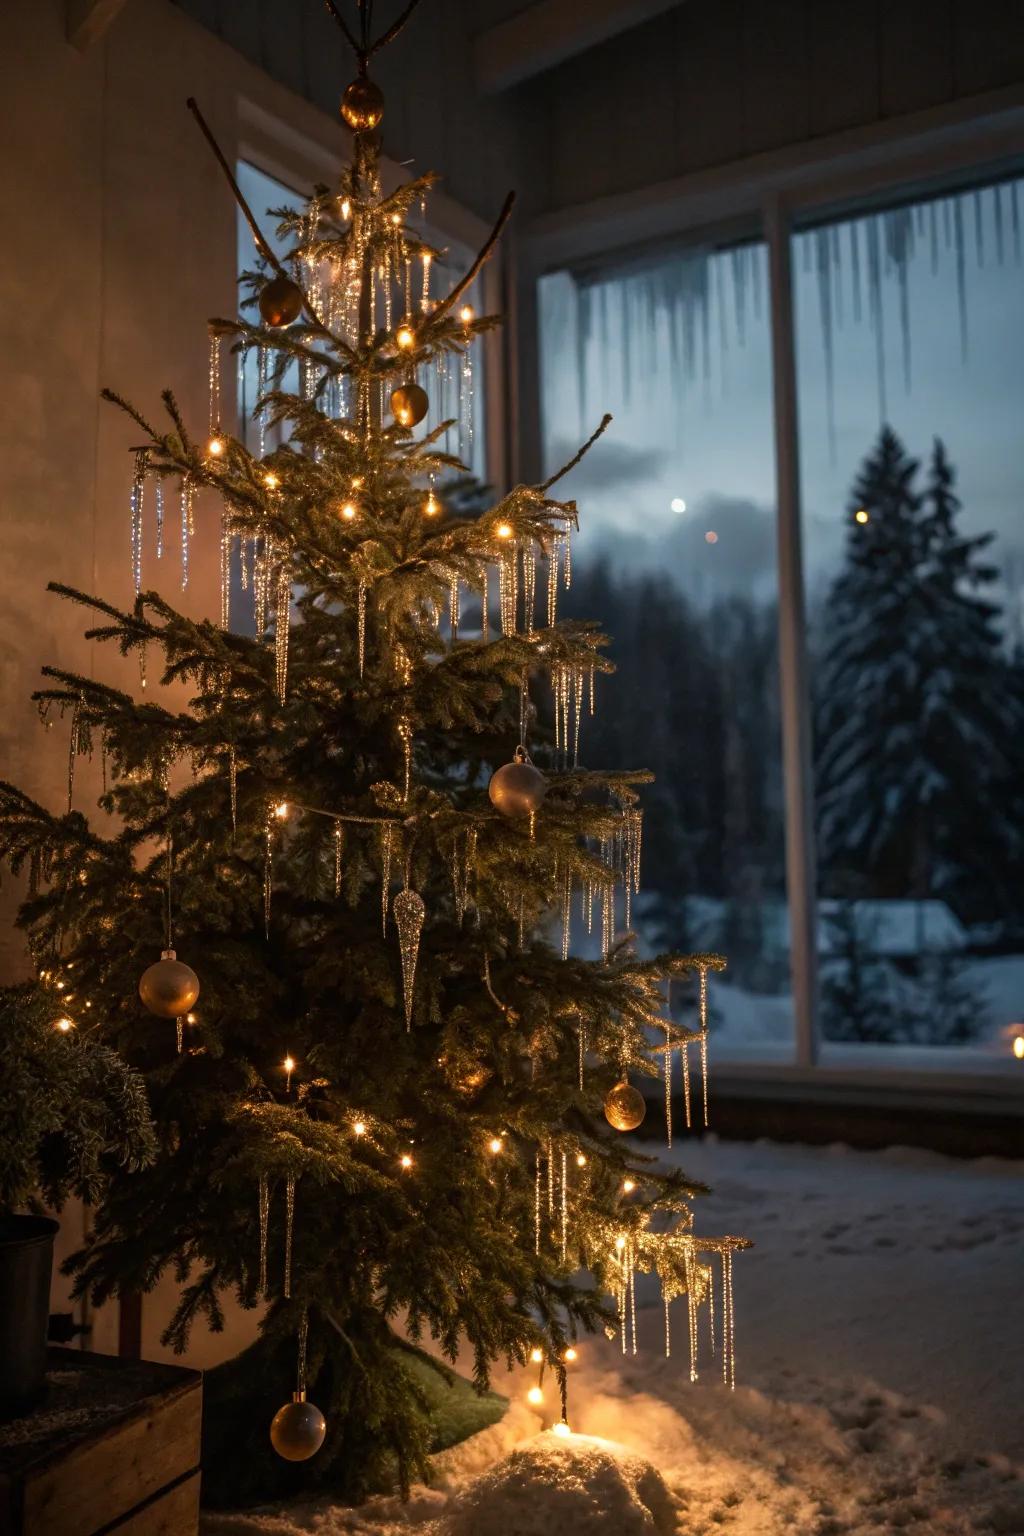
535,1395
1018,1047
620,1242
271,481
405,336
504,530
536,1355
466,313
348,511
561,1428
346,208
405,1160
431,507
628,1186
581,1160
65,1025
495,1144
862,515
215,447
281,810
359,1129
289,1068
571,1355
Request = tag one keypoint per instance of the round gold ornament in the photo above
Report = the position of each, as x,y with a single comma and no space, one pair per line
280,302
517,788
624,1107
170,987
409,404
362,105
297,1430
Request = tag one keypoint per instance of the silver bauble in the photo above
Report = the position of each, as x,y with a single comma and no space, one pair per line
297,1430
517,788
169,988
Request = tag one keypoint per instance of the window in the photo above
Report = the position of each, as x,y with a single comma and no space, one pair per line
910,334
676,555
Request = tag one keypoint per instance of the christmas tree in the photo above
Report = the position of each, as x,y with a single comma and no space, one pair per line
378,1089
916,716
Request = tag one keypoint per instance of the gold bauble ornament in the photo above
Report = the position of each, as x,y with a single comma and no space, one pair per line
362,105
280,302
518,788
409,404
297,1430
170,987
624,1107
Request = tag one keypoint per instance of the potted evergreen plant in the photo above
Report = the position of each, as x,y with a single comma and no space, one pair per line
72,1112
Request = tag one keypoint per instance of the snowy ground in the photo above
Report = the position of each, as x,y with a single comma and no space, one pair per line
881,1376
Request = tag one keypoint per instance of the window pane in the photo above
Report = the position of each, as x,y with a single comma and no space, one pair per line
676,558
910,337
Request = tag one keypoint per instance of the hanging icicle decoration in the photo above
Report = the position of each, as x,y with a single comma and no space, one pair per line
264,1216
282,628
387,836
187,526
425,298
409,918
582,1031
566,910
466,403
684,1051
529,586
485,622
225,571
159,498
74,745
405,734
691,1308
214,381
553,582
668,1080
289,1233
233,790
565,1208
339,837
551,1179
138,491
632,837
704,1037
361,624
668,1324
728,1323
268,868
536,1202
508,569
453,607
261,389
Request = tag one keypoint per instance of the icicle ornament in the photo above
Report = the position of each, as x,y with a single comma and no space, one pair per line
264,1221
289,1234
136,500
410,914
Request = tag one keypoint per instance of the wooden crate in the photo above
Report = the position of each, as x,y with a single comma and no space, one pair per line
113,1449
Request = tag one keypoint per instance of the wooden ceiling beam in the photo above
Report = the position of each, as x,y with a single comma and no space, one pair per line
550,31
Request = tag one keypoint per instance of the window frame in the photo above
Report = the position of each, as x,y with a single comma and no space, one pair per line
771,197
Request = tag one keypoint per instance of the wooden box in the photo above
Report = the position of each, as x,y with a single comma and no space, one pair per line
114,1448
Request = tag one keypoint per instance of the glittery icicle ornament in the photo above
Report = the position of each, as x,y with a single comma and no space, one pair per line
264,1218
410,914
138,490
282,628
704,1037
289,1233
387,850
339,839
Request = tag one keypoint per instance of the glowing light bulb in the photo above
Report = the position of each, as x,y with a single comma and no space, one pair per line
348,511
581,1160
571,1355
396,218
405,336
561,1428
535,1395
862,515
359,1128
60,986
536,1355
495,1144
431,507
466,313
504,530
406,1160
271,481
346,208
191,1018
1018,1047
620,1242
357,481
677,504
64,1025
281,810
289,1068
628,1186
711,537
215,447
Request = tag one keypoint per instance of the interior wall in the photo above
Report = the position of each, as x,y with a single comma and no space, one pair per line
705,84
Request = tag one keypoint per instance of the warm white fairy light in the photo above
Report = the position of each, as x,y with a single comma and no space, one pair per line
536,1355
628,1186
359,1129
345,208
581,1160
65,1025
289,1067
504,530
271,481
405,337
1018,1047
466,314
215,447
495,1145
535,1396
561,1428
348,511
570,1355
281,810
431,507
405,1160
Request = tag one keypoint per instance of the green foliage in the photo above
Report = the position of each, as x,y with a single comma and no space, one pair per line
72,1113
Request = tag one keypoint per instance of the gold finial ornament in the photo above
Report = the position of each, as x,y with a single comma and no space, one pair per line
362,106
624,1107
280,302
409,404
